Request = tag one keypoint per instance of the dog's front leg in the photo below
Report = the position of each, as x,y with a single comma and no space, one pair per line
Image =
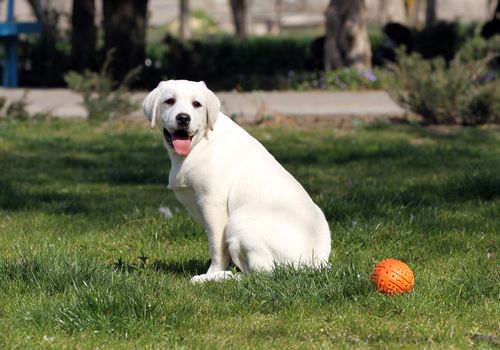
215,220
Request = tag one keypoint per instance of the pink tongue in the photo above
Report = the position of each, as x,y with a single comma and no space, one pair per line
181,144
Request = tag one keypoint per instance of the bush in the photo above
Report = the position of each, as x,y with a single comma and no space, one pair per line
102,98
463,92
483,106
274,62
226,62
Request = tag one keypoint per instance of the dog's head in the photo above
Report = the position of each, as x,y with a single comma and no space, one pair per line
185,111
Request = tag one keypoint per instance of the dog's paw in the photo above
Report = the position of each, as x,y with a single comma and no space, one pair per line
214,276
198,279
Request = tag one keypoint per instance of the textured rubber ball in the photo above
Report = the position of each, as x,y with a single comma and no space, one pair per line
392,276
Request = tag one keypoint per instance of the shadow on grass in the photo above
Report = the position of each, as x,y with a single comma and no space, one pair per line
343,152
479,184
59,163
40,161
61,175
188,267
12,198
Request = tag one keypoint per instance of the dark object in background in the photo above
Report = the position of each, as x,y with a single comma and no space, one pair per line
317,48
442,39
395,35
492,28
399,34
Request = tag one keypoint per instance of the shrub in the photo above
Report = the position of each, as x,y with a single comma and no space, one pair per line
17,109
226,62
483,106
463,92
102,98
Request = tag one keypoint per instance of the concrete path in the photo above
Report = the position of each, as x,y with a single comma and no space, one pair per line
312,104
62,103
247,107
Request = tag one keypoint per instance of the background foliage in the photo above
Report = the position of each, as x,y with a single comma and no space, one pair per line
227,62
464,91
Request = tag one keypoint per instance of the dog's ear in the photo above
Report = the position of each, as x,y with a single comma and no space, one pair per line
213,106
152,102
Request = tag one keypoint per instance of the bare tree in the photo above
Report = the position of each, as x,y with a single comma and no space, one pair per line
84,34
278,8
184,30
239,11
36,6
346,41
496,12
43,15
124,25
48,57
430,13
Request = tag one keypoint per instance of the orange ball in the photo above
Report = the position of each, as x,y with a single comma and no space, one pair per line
392,276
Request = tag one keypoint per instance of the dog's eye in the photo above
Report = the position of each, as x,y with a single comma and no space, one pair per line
196,104
170,101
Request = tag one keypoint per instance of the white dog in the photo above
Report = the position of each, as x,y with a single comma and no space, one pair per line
255,213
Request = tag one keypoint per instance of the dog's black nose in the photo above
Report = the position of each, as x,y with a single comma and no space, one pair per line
183,119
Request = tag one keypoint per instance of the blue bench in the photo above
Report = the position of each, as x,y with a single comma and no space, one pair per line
9,33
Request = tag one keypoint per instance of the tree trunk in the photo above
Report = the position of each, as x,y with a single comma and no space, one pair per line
276,26
184,30
83,36
124,23
239,11
430,13
496,15
48,61
41,12
392,11
346,42
36,6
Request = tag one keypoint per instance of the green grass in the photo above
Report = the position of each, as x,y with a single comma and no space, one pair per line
79,214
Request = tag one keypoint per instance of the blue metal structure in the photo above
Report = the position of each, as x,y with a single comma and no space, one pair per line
9,33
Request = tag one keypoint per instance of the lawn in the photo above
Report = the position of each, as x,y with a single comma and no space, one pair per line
88,260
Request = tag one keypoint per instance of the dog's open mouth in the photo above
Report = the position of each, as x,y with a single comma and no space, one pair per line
180,141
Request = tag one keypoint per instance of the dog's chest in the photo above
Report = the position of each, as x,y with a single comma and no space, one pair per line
188,172
178,177
186,196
